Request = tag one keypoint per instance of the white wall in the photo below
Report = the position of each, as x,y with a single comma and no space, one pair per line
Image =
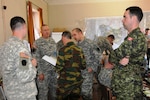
13,9
56,36
73,15
1,26
17,8
6,14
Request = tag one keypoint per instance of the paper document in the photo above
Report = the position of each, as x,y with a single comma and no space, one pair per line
51,60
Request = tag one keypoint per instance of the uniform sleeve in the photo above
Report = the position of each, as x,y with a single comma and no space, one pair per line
95,57
133,46
83,62
125,49
60,61
89,56
25,71
38,58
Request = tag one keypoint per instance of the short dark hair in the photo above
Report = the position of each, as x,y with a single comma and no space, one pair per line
16,22
43,25
111,36
67,34
147,29
137,11
77,29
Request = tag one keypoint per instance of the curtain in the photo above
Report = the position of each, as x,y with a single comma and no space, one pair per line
30,25
40,17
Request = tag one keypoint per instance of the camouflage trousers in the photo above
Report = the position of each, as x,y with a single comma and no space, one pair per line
127,84
48,85
128,97
130,92
87,85
73,95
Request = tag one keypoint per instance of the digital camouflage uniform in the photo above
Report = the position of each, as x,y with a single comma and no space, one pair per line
127,80
92,57
59,45
103,43
104,75
18,78
70,62
46,47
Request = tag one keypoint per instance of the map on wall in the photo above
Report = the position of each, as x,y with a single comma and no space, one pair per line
103,26
145,23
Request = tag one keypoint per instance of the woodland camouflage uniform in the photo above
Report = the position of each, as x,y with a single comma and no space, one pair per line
70,62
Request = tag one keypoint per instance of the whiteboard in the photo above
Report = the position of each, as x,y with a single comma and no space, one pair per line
56,36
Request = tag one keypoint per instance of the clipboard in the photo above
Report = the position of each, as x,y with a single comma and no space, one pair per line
51,60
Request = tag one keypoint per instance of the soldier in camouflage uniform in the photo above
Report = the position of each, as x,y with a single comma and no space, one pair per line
91,52
104,74
18,68
47,78
70,62
127,59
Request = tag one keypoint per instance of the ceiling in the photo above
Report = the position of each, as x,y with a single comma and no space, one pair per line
58,2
